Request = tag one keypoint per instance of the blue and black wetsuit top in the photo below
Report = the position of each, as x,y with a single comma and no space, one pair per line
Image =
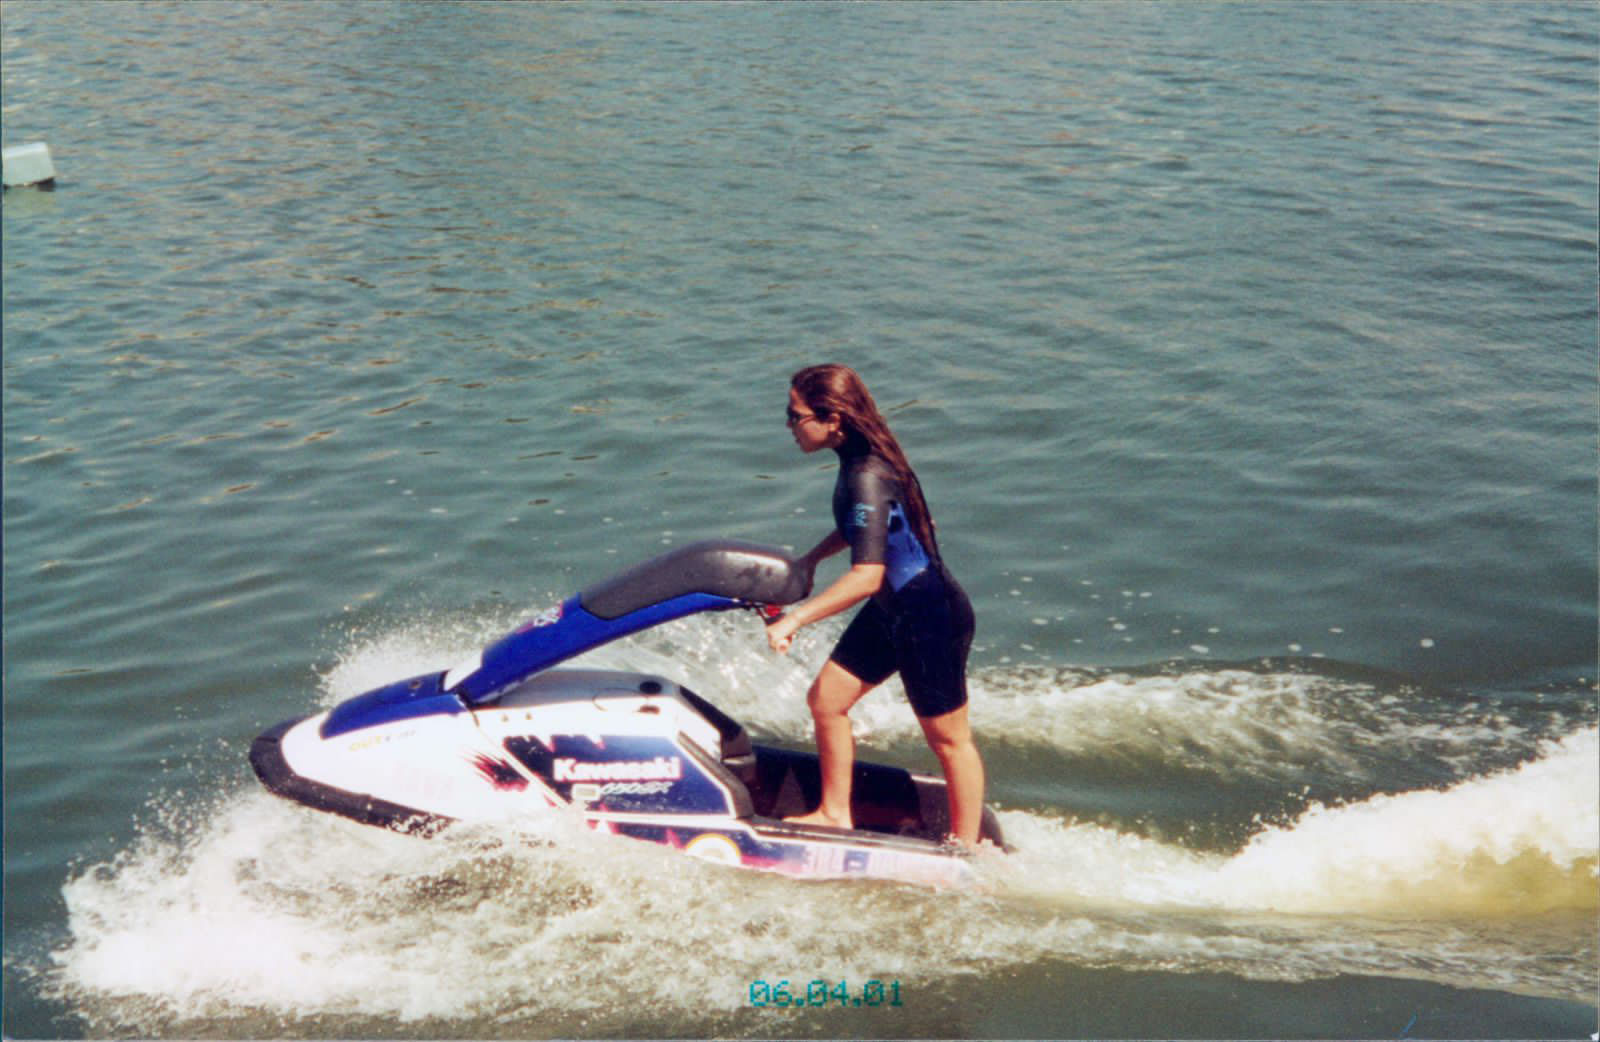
869,511
920,624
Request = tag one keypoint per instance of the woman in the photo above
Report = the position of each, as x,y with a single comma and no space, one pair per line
916,621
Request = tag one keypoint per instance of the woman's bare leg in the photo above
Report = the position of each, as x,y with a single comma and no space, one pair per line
831,697
950,737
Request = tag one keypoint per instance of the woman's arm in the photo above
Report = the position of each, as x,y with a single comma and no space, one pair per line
850,589
831,544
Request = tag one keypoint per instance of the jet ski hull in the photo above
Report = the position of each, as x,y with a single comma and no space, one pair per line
638,756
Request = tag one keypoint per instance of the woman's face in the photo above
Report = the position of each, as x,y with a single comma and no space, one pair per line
810,431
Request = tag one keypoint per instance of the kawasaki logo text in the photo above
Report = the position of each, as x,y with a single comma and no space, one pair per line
662,768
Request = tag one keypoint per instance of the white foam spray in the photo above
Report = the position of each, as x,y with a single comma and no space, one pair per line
258,913
1519,842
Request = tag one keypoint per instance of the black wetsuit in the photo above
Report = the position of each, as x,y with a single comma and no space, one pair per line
920,623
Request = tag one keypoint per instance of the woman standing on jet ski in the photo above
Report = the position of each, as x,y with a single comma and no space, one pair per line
916,621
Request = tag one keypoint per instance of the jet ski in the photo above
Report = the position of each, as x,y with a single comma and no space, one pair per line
506,735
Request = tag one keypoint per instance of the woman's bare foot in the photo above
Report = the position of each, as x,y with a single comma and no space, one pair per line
961,847
820,817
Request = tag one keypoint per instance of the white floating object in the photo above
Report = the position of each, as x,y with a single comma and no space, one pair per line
28,165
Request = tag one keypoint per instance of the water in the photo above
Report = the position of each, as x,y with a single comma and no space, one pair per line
1246,353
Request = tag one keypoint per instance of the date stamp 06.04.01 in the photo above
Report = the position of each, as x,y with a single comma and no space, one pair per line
816,994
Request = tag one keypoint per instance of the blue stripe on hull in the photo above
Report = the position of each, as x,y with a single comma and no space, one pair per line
405,700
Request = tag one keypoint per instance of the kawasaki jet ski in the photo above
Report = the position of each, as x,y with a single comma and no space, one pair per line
504,736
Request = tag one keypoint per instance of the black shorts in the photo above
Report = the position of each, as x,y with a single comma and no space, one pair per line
925,638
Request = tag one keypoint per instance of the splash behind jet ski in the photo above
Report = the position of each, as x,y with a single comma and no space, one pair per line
506,735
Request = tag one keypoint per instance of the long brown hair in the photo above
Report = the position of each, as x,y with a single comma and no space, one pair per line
836,390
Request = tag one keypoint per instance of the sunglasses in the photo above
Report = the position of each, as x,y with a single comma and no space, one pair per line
798,417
